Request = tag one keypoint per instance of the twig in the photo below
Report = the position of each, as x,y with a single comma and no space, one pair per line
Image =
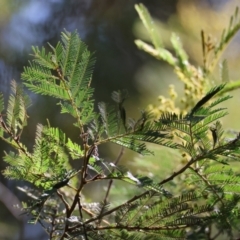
208,184
83,181
64,201
110,184
146,192
141,229
175,174
81,216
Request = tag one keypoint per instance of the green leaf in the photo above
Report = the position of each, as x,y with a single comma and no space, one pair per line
206,98
43,58
180,52
16,110
161,53
149,24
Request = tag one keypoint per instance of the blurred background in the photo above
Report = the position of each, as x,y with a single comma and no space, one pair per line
109,28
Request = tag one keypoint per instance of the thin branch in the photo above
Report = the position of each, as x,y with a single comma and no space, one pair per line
175,174
81,216
208,184
110,184
87,211
139,228
64,201
146,192
83,181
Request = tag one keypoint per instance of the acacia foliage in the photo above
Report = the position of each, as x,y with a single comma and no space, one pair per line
210,192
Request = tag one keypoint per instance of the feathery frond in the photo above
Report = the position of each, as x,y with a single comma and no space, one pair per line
64,73
201,193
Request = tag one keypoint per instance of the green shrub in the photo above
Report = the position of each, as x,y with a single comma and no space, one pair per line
203,203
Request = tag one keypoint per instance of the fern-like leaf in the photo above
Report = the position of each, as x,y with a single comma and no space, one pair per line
149,24
206,98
